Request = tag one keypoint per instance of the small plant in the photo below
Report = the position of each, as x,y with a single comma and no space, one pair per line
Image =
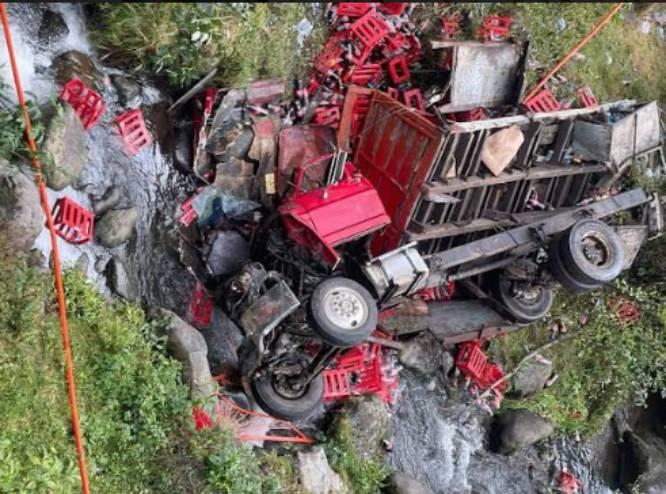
361,475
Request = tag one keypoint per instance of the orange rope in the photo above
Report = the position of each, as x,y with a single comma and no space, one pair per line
605,20
69,361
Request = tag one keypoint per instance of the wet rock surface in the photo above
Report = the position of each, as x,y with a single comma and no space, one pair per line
118,280
129,91
316,475
399,483
21,216
531,378
519,428
65,148
116,227
423,353
75,64
189,346
53,27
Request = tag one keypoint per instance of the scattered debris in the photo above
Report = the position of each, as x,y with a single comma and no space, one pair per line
73,222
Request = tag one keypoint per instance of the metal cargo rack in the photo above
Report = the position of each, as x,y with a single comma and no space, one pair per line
439,193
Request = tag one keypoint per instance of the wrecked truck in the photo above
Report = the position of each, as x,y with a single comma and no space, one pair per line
416,207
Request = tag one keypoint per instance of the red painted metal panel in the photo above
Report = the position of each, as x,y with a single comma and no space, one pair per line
396,151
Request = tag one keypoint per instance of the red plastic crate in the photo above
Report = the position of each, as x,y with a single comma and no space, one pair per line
133,131
543,101
87,104
586,98
414,99
201,307
353,9
392,8
327,115
73,222
370,29
188,214
398,69
336,384
332,55
495,27
361,76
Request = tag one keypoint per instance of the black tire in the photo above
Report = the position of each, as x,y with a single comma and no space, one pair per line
522,309
342,311
277,405
561,274
605,259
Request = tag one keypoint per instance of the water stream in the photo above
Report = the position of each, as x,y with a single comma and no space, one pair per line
147,181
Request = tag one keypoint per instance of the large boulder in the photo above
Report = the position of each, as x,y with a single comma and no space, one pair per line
401,483
116,227
21,215
109,200
531,378
65,148
648,455
520,428
74,64
129,90
53,27
371,422
189,346
422,354
316,475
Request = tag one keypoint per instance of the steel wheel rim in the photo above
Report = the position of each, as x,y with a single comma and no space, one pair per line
345,308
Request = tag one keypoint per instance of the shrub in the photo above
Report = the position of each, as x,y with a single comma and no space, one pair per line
603,365
132,403
184,41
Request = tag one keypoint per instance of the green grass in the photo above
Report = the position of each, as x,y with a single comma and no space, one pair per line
601,365
135,411
245,43
363,476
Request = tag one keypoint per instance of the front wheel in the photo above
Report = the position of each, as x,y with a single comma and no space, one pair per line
343,312
283,398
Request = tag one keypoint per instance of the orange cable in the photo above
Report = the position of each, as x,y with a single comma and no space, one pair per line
69,361
605,20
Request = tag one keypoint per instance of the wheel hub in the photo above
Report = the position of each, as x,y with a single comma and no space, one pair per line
595,250
345,308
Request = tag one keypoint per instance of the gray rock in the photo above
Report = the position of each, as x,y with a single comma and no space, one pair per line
422,354
447,361
315,473
21,216
36,258
223,337
520,428
109,200
116,227
65,148
128,89
100,264
531,378
401,483
649,454
117,279
189,347
82,263
228,253
371,422
73,64
52,28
